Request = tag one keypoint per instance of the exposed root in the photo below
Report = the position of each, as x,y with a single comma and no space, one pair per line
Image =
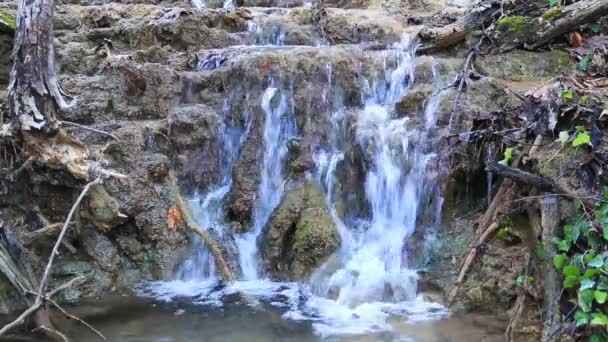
213,246
520,304
69,123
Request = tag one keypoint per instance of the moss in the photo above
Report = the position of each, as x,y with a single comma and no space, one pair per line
518,25
552,13
7,21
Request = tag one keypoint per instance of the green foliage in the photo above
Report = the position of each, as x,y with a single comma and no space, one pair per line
7,21
563,137
508,155
583,64
552,13
582,139
524,278
517,25
584,265
596,27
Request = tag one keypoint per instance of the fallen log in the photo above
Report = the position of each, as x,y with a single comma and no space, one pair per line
541,183
533,33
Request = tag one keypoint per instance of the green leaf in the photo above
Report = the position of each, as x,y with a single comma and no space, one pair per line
606,192
600,296
584,99
582,318
572,232
563,245
587,284
585,299
597,337
602,285
599,319
541,251
584,62
589,256
582,139
559,260
563,136
570,282
553,3
571,270
567,94
597,261
589,273
596,27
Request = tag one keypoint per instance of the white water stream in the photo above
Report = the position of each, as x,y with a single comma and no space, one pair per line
368,280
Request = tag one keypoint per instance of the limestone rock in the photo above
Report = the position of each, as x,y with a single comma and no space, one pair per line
300,235
519,65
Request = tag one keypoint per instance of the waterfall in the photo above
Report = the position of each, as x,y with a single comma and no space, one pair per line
278,128
369,278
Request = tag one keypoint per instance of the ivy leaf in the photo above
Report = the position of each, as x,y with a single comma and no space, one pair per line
570,282
553,3
559,260
597,261
602,285
587,284
582,139
563,137
589,273
571,270
597,337
600,296
585,299
599,319
572,232
563,245
584,62
596,28
582,318
567,94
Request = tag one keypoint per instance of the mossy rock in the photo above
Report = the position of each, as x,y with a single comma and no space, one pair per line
300,234
519,65
7,22
316,238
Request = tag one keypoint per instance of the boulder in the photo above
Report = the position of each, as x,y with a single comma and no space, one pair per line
300,234
519,65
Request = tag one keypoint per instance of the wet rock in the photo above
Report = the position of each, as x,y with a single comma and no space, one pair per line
414,101
228,247
357,26
102,209
300,234
100,249
245,179
519,65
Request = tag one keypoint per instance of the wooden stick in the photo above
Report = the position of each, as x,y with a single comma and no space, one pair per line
52,331
70,316
550,223
37,304
69,123
49,264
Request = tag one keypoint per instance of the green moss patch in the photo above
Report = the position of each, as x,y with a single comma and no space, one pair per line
517,25
7,22
552,14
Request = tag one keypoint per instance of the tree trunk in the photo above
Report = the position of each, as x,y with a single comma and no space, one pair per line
550,223
34,95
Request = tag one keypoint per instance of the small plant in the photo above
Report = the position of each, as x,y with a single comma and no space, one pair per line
582,137
584,265
508,155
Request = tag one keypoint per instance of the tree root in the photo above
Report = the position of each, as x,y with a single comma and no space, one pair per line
213,246
520,304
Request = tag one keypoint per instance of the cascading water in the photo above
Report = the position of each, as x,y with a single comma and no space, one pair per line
368,280
278,128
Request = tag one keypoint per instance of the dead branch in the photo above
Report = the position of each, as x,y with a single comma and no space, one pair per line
37,304
46,231
550,224
520,303
78,319
52,331
69,123
213,246
64,229
439,38
541,183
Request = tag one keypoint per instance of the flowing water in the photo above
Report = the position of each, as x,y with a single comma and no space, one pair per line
369,281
